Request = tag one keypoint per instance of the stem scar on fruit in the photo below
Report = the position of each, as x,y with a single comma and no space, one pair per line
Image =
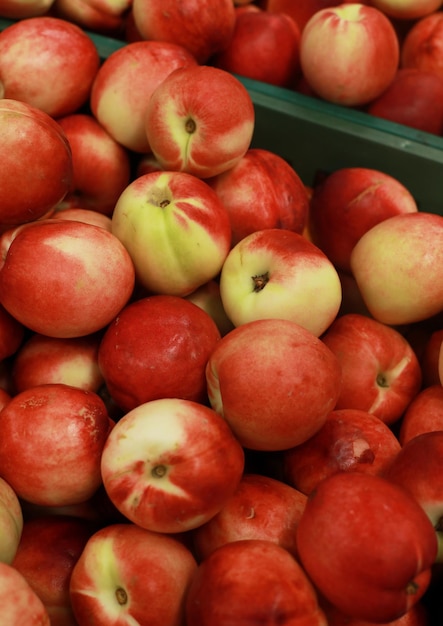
260,281
382,380
121,595
190,126
159,471
411,588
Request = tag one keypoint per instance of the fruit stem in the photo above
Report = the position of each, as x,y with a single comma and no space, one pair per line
260,281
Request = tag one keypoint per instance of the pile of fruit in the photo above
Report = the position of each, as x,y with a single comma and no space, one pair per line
221,386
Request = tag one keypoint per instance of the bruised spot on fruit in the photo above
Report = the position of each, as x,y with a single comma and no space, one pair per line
121,595
190,126
159,471
251,513
33,402
349,454
260,281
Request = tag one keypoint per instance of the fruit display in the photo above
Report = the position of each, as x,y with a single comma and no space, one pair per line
221,313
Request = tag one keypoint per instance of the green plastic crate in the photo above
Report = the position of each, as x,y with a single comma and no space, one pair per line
318,137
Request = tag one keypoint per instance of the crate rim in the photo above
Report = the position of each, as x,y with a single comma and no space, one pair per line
290,102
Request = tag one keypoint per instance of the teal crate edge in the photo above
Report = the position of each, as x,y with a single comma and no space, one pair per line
319,137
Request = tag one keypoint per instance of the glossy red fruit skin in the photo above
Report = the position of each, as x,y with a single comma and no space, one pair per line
367,545
250,582
31,187
157,347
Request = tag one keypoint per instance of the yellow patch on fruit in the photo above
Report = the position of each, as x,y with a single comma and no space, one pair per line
107,582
